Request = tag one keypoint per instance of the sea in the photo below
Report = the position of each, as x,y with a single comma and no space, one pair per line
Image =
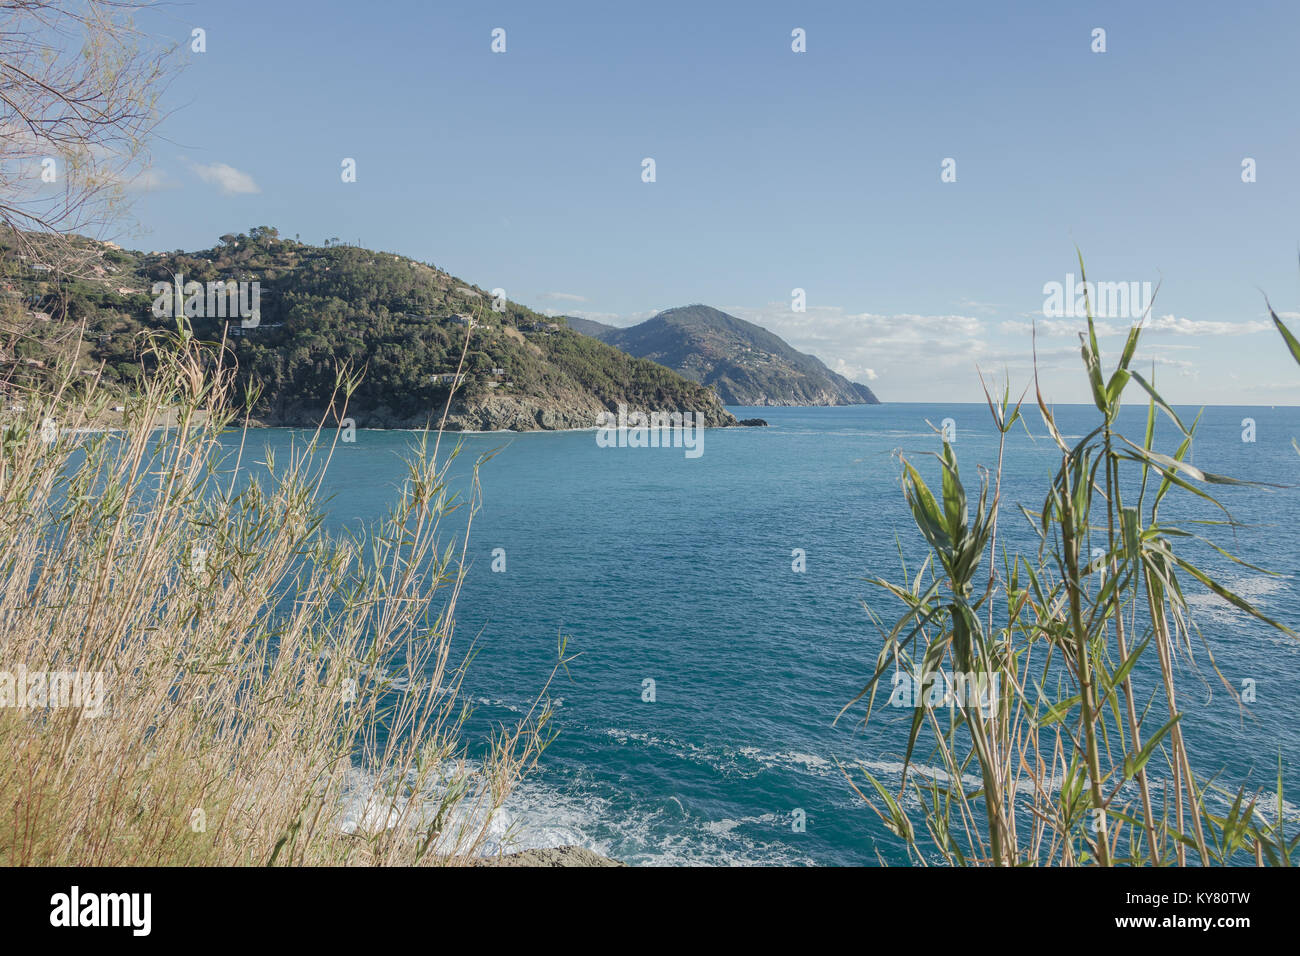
716,607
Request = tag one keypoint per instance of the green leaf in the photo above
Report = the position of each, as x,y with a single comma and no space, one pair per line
925,510
897,821
1133,765
1115,387
1093,364
1291,342
1130,346
954,497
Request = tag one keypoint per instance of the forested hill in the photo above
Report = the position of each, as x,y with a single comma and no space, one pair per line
401,321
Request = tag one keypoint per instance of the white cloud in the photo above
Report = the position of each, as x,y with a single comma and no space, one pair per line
1182,326
1172,324
974,305
1287,390
1185,369
564,297
231,181
863,346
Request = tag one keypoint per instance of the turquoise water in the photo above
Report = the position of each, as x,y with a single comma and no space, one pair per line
678,570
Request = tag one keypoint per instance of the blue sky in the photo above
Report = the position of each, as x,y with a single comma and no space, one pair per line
778,170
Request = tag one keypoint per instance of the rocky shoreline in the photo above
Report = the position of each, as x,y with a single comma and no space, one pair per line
496,413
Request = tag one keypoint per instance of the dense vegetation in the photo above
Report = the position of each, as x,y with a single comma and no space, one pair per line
323,309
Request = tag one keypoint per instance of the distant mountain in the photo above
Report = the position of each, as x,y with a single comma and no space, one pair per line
597,330
743,363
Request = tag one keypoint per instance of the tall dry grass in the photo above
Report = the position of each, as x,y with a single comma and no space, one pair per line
261,676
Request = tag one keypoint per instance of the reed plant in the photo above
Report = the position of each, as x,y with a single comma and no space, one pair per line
1063,756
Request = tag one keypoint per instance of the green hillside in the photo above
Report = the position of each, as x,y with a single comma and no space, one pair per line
401,321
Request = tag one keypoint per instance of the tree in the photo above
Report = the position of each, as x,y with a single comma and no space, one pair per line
79,88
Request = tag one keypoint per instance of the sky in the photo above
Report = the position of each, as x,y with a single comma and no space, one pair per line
777,170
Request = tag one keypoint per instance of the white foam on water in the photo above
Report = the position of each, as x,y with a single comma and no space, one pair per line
1251,587
369,805
534,816
537,815
541,812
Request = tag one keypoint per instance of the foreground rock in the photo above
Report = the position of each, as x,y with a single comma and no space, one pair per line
550,856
